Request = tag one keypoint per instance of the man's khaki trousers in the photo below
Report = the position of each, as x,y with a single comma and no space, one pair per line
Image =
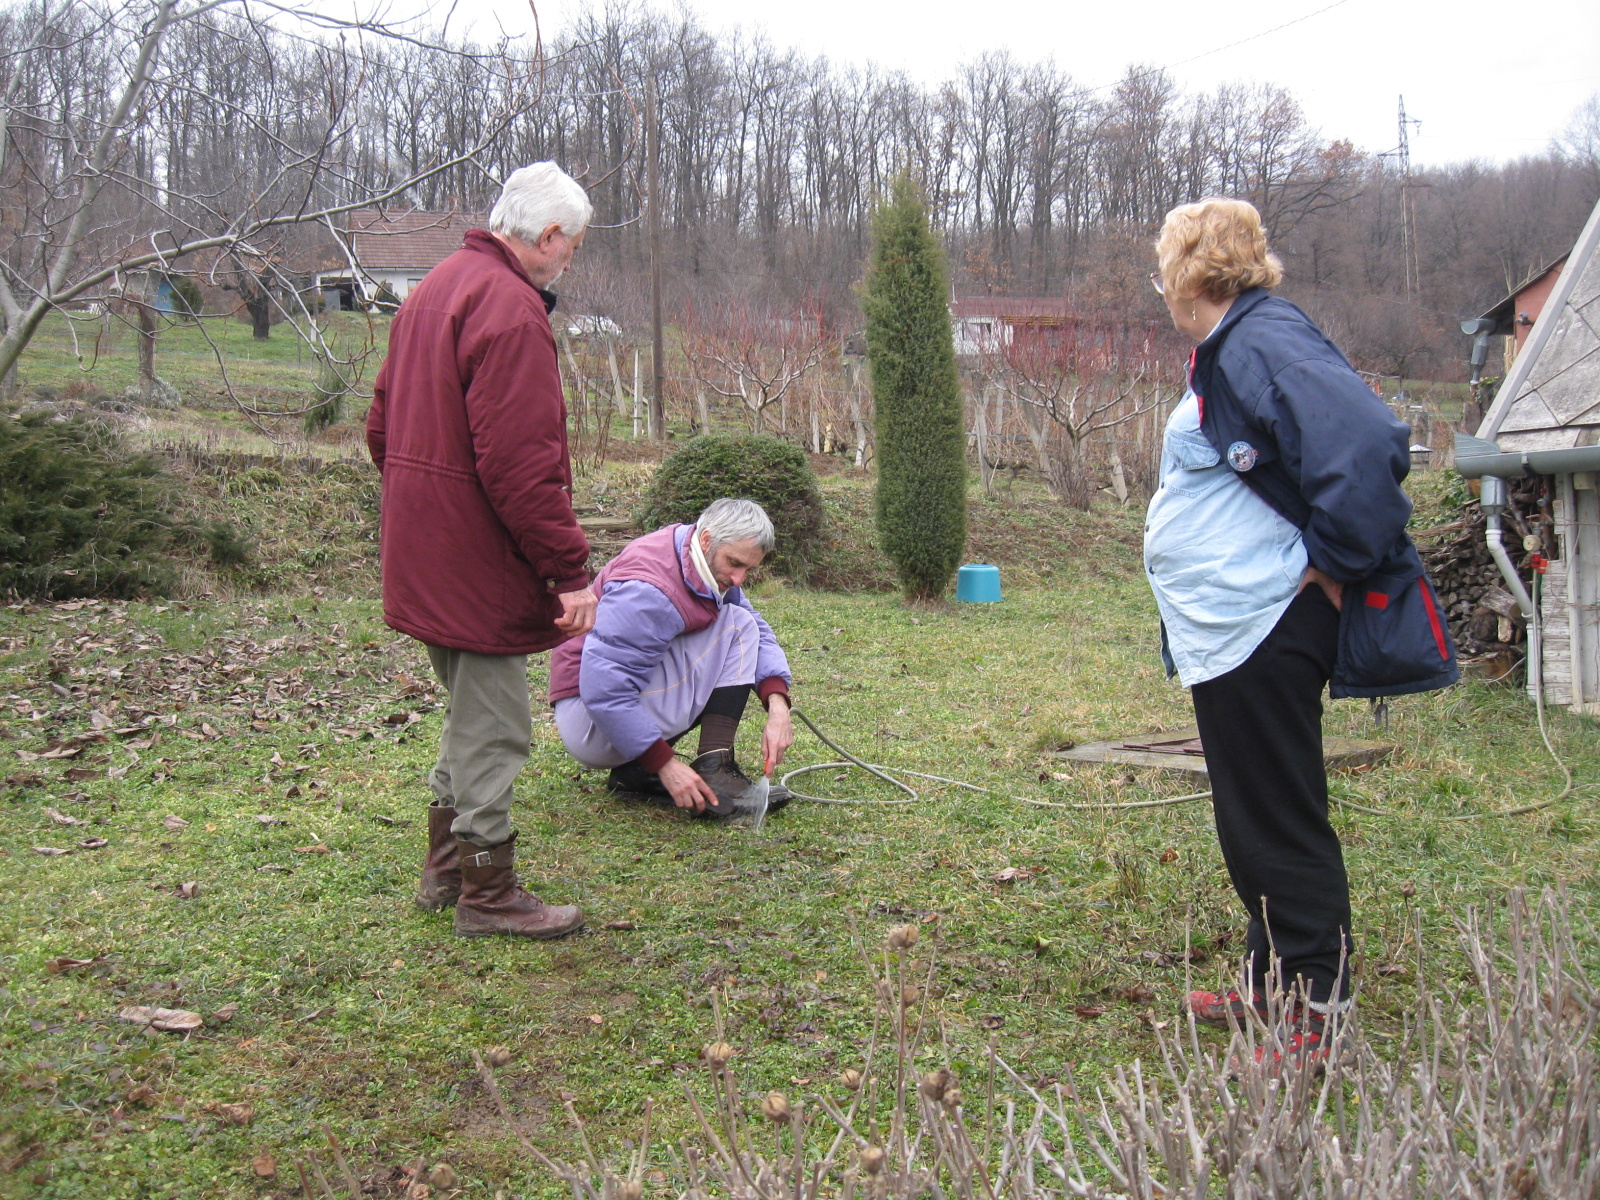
484,744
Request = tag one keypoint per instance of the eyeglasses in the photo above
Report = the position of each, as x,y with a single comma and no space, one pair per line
1155,282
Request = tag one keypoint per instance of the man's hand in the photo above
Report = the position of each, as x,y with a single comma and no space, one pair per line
1331,586
778,735
577,612
687,788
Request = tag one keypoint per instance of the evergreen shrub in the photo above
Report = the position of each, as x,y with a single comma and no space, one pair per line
79,516
916,392
186,296
773,473
327,396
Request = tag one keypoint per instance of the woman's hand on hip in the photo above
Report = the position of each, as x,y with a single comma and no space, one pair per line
1330,586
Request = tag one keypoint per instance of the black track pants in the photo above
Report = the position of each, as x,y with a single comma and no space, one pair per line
1261,726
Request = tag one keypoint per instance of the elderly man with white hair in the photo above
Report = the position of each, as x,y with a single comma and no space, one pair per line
677,644
483,560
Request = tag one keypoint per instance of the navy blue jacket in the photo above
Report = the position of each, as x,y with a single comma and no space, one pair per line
1285,409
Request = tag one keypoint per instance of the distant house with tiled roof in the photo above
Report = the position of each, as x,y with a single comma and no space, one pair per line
986,324
392,249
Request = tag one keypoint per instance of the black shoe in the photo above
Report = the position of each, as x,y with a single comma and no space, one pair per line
632,781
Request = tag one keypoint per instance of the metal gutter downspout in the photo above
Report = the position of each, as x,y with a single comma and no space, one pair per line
1477,458
1493,501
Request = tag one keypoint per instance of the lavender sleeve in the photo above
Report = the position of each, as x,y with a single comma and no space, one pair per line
770,658
633,625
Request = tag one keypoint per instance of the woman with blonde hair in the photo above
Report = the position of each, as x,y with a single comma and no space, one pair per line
1276,546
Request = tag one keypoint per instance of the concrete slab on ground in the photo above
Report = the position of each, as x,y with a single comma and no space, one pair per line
1181,751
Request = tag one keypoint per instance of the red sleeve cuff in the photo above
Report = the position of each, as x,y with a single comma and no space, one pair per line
658,756
770,686
576,584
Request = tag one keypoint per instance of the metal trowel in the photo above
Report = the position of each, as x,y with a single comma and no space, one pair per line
753,799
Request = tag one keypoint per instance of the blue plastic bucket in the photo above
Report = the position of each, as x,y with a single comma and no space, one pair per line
978,583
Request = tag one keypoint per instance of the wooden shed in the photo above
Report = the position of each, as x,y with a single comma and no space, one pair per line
1545,421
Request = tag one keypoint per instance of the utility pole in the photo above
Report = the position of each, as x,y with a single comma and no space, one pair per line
1408,206
658,354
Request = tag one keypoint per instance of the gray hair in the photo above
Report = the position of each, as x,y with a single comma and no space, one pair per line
537,197
737,521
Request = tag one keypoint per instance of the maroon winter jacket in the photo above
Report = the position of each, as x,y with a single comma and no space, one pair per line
469,430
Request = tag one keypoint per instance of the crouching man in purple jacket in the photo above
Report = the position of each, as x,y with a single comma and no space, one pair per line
676,644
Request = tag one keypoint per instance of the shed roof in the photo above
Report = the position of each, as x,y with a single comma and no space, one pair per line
1550,399
1008,308
1504,313
390,240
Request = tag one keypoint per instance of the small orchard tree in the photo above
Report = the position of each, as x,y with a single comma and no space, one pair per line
756,358
1083,381
916,393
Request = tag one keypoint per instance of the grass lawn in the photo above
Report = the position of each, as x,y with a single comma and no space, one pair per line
275,757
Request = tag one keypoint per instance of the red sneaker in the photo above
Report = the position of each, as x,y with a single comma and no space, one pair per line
1307,1045
1215,1008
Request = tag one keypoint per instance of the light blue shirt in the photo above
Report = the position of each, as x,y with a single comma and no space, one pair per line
1222,563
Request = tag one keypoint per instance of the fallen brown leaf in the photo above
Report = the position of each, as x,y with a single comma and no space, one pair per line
188,891
143,1094
265,1166
319,848
234,1114
993,1021
61,818
174,822
93,843
443,1175
51,850
79,774
619,925
227,1012
173,1020
1169,855
1137,994
596,1019
1089,1012
57,966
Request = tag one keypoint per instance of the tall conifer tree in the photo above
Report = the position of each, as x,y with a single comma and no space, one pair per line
922,470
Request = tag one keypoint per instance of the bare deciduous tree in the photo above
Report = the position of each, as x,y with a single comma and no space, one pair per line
753,357
148,134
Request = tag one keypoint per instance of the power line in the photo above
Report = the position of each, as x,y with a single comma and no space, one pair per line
1231,45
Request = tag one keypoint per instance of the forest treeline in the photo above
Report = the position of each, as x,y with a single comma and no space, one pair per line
770,164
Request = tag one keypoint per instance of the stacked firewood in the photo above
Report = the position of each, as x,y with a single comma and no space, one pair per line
1483,615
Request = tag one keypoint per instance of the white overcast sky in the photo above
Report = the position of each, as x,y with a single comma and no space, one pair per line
1487,79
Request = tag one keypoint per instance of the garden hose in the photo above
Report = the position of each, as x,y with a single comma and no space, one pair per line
887,774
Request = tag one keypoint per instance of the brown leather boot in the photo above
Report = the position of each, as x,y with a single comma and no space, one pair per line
492,901
441,873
